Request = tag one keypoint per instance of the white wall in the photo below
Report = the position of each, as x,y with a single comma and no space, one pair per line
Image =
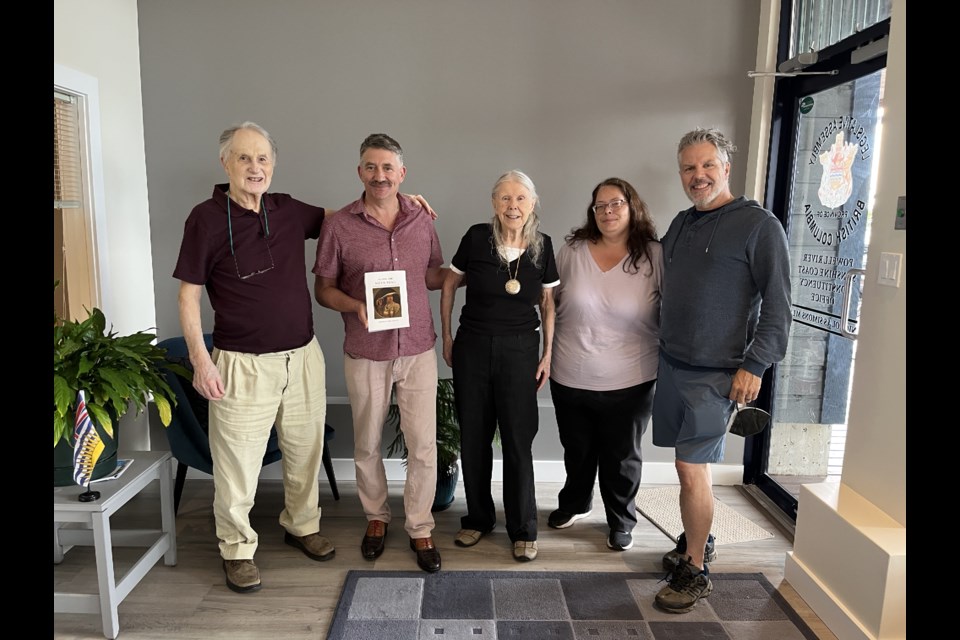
100,39
874,462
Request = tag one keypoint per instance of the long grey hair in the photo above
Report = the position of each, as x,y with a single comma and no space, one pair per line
530,231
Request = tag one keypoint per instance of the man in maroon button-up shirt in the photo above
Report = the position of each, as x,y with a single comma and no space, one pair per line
385,231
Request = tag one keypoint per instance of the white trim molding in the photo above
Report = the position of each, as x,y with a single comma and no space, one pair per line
87,88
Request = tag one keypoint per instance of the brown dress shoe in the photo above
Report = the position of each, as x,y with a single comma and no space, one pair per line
313,545
373,540
428,556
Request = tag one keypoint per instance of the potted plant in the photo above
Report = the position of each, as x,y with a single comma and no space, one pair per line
448,442
114,372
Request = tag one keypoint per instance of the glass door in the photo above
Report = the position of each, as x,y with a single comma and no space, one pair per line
825,193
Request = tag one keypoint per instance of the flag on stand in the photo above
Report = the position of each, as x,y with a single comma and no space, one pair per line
87,445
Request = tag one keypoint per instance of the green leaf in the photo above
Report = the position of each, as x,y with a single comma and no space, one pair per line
102,418
63,395
117,379
62,429
163,408
115,372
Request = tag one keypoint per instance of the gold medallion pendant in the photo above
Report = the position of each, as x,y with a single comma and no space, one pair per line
513,285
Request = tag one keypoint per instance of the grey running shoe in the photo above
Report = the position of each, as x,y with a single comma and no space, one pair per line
687,585
620,540
672,558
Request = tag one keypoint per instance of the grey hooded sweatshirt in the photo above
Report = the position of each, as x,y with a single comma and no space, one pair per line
726,288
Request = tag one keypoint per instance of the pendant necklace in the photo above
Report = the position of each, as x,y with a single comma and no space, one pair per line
513,285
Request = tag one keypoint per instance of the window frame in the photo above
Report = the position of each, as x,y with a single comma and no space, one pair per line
86,90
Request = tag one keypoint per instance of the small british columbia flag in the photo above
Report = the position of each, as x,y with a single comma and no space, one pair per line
87,444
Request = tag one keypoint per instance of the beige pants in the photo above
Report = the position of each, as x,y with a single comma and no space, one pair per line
287,388
369,384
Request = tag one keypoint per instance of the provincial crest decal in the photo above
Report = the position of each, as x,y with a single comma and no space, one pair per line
836,183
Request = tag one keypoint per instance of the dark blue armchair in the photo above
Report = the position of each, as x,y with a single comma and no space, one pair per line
188,432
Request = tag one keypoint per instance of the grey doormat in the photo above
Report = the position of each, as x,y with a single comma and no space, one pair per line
661,506
535,605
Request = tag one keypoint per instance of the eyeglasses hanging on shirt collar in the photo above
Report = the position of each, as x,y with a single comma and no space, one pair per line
264,235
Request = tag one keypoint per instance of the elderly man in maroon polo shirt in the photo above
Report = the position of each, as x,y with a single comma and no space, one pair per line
384,231
245,246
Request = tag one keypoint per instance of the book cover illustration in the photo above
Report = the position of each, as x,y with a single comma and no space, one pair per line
386,293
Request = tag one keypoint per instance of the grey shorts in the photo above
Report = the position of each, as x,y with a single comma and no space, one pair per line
691,411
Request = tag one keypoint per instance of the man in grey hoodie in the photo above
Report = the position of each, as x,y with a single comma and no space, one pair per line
724,319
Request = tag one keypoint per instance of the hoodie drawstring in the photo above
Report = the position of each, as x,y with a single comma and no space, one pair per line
713,233
683,224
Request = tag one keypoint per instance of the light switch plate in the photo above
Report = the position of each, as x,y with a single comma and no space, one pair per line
890,269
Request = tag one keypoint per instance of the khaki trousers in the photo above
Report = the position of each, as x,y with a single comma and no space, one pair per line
369,384
286,389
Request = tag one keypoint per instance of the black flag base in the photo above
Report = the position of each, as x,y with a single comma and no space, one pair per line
89,496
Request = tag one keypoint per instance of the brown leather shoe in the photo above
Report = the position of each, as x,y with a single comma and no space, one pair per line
242,575
428,556
313,545
373,539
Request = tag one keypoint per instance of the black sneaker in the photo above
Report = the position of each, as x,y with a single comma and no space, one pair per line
562,519
620,540
672,558
687,585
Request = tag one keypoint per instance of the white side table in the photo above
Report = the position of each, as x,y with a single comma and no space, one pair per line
95,518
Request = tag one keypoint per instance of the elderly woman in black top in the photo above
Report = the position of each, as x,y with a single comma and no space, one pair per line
496,359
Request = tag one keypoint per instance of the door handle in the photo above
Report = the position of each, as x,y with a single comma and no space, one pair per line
847,298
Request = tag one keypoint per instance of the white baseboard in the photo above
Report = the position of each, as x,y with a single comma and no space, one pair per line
544,471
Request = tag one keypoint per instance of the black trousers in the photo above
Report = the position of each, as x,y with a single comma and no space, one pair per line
494,381
600,432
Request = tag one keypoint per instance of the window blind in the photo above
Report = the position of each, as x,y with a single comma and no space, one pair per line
67,186
818,24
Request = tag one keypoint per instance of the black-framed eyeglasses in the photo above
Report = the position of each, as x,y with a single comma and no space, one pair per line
266,234
613,205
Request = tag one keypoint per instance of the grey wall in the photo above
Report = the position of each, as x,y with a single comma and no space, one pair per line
571,92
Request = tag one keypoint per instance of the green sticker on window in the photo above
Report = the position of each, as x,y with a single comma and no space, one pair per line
806,105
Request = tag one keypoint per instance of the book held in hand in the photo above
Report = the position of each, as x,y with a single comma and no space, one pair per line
386,293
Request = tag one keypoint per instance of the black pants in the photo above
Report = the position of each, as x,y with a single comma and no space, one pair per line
494,381
600,432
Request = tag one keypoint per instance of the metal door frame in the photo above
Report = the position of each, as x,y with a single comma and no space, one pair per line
788,92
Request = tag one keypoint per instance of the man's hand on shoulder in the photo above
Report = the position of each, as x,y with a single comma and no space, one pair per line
423,204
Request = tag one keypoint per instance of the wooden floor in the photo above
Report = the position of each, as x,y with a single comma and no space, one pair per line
298,598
